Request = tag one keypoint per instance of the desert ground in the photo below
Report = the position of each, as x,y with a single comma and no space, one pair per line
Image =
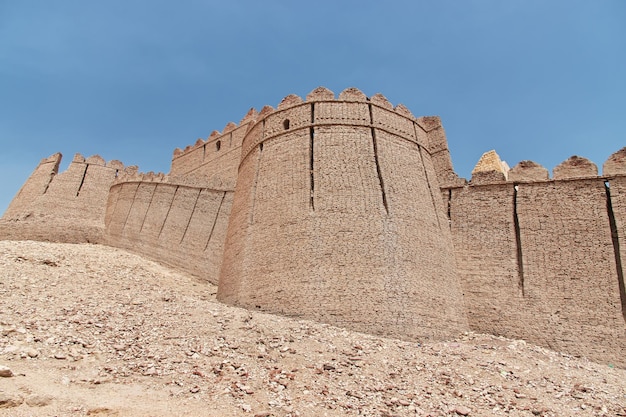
88,330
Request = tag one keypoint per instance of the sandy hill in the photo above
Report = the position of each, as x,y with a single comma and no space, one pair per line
92,330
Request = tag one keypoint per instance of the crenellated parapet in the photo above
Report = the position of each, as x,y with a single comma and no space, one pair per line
321,108
491,170
528,171
133,175
216,135
63,206
616,164
213,162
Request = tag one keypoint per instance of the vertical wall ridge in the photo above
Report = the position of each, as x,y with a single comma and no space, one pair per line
312,158
47,185
143,221
132,201
381,182
312,167
449,206
256,181
616,248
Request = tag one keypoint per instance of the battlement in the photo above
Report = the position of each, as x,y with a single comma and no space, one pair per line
133,175
216,135
351,108
212,163
357,174
491,170
64,206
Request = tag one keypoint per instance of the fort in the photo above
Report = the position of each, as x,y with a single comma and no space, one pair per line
347,210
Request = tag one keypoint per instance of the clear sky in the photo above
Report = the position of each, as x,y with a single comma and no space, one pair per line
134,79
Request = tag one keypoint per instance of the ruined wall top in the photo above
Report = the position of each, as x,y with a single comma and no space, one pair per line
491,170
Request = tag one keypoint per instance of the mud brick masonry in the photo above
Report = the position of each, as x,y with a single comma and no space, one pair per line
347,211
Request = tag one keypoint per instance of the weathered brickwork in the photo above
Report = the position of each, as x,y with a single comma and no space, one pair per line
62,207
540,259
212,163
349,185
347,210
178,225
616,189
483,231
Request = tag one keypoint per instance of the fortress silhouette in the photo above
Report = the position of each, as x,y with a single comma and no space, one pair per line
347,211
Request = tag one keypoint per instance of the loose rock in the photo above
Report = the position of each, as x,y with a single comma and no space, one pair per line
5,372
9,401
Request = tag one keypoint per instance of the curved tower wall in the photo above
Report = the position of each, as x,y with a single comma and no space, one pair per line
337,217
179,225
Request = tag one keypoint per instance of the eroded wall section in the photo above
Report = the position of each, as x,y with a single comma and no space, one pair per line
62,207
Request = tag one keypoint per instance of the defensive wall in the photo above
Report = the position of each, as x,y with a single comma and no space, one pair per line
347,210
63,207
541,259
179,225
337,216
212,163
181,218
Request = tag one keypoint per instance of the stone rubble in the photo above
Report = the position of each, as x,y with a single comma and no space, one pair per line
91,330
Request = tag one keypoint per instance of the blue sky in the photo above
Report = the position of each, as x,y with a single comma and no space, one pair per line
134,79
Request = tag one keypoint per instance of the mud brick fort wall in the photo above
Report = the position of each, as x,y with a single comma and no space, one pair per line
347,210
64,207
179,225
334,200
541,259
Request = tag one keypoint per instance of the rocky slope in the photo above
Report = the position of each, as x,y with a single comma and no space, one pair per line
91,330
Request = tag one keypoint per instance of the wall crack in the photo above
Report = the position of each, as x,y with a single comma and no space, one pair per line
82,181
219,208
518,242
168,212
381,182
430,189
616,248
191,216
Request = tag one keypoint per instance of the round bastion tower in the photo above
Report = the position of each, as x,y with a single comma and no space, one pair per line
338,217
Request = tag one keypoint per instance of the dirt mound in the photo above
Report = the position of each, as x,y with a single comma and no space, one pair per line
92,330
